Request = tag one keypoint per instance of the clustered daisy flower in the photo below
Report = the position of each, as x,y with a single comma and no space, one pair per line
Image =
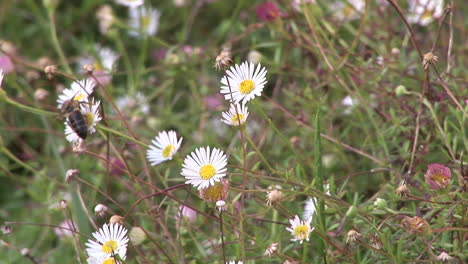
423,12
109,242
78,91
300,229
243,82
90,112
163,147
204,167
143,20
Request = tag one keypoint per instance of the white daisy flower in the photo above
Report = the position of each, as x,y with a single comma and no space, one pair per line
130,3
143,20
129,102
79,91
111,241
234,262
348,10
1,77
105,60
310,206
237,114
300,229
164,146
423,12
103,260
90,112
203,167
245,81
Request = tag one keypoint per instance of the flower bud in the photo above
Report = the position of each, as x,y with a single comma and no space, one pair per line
352,236
71,174
63,204
221,205
380,204
117,219
273,196
137,235
401,90
416,225
271,249
403,190
100,210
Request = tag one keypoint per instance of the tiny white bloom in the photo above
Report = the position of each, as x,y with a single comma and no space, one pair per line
423,12
348,10
237,114
164,146
310,206
107,58
143,20
102,260
1,77
79,91
130,3
90,112
300,229
234,262
110,241
245,82
203,167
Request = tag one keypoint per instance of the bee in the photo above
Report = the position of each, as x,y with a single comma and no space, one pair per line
75,118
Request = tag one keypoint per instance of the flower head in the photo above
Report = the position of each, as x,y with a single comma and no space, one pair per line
219,191
423,12
143,20
437,176
352,236
443,256
203,167
90,112
348,10
271,249
130,3
110,241
267,11
236,115
403,189
273,196
164,146
223,60
416,225
300,229
78,91
244,82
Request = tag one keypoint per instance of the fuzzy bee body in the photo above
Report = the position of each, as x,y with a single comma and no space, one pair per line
76,119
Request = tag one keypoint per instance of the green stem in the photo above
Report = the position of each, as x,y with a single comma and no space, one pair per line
117,133
56,44
20,162
261,155
28,108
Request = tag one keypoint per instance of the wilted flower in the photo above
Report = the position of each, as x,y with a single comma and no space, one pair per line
352,236
219,191
443,256
117,219
428,59
271,249
223,60
221,205
423,12
375,241
416,225
273,196
254,56
100,210
71,174
437,176
402,189
40,94
267,11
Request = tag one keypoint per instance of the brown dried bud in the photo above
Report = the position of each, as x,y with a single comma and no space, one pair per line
274,196
428,59
416,225
79,147
63,204
223,60
88,68
352,236
117,219
51,71
375,241
100,210
402,190
271,249
71,174
41,94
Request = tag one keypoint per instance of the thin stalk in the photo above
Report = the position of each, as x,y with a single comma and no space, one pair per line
55,42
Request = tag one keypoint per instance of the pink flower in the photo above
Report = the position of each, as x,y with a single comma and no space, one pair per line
102,77
214,102
6,64
437,176
187,213
267,11
65,229
118,167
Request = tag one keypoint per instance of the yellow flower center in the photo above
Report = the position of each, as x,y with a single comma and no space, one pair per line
214,193
427,14
301,232
89,119
246,86
109,261
348,11
78,97
237,119
109,247
97,66
144,20
207,172
167,151
439,178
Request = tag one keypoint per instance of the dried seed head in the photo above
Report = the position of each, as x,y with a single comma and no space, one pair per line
137,235
71,174
88,68
375,241
100,210
223,60
416,225
41,94
352,236
428,59
273,196
117,219
221,205
79,147
215,193
437,176
50,71
403,190
271,249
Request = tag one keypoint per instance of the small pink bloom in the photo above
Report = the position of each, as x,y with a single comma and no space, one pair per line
267,11
187,213
437,176
6,64
102,77
214,102
64,229
118,167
